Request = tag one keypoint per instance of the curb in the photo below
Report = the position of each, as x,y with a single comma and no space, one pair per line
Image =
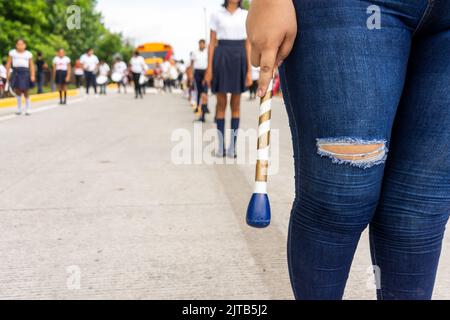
11,102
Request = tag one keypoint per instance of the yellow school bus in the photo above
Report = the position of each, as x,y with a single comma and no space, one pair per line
154,53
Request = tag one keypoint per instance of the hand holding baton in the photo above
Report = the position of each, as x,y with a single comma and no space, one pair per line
258,212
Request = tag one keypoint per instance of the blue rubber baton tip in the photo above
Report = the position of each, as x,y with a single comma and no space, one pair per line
258,211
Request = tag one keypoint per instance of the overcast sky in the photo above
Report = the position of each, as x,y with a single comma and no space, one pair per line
180,23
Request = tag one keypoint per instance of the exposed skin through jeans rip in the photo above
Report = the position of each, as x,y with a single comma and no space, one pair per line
353,151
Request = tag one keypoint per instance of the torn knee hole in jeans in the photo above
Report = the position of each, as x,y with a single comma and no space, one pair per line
353,151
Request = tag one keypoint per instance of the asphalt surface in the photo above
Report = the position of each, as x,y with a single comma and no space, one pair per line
95,204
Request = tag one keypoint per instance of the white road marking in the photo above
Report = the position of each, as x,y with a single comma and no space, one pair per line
42,109
9,117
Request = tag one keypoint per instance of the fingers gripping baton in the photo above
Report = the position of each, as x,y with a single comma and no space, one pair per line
258,211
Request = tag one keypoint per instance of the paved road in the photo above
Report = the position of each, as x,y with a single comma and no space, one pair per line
93,206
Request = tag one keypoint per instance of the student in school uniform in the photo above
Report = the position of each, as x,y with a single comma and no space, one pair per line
158,78
181,67
21,61
369,118
254,86
173,76
120,68
61,74
2,78
41,66
165,69
90,66
78,71
103,71
138,68
228,69
199,63
190,78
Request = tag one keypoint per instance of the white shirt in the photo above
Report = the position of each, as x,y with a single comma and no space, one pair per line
2,71
200,59
138,64
165,69
20,60
61,63
120,67
90,62
181,67
78,71
173,72
103,69
229,26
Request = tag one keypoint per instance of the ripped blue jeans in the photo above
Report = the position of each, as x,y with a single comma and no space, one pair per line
367,90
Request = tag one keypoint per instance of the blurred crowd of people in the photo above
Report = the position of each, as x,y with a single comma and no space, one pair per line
222,67
21,73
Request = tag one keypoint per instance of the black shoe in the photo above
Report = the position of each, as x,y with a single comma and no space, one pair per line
221,154
231,152
200,120
231,155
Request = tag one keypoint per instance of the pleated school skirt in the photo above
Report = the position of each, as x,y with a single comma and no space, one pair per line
21,79
60,77
229,67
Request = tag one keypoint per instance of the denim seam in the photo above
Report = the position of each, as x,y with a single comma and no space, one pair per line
289,253
374,260
425,16
291,111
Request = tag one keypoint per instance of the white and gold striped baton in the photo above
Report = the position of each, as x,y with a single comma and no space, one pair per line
258,212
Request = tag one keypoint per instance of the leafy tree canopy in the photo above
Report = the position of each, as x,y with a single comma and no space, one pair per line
43,24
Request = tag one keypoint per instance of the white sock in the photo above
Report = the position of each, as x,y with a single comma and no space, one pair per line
27,105
19,104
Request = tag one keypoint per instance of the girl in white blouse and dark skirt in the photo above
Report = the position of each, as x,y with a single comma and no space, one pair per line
228,67
23,77
61,74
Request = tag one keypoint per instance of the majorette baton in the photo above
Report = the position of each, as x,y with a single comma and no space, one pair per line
258,212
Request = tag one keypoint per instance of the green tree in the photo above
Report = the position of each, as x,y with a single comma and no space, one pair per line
42,23
111,44
21,19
